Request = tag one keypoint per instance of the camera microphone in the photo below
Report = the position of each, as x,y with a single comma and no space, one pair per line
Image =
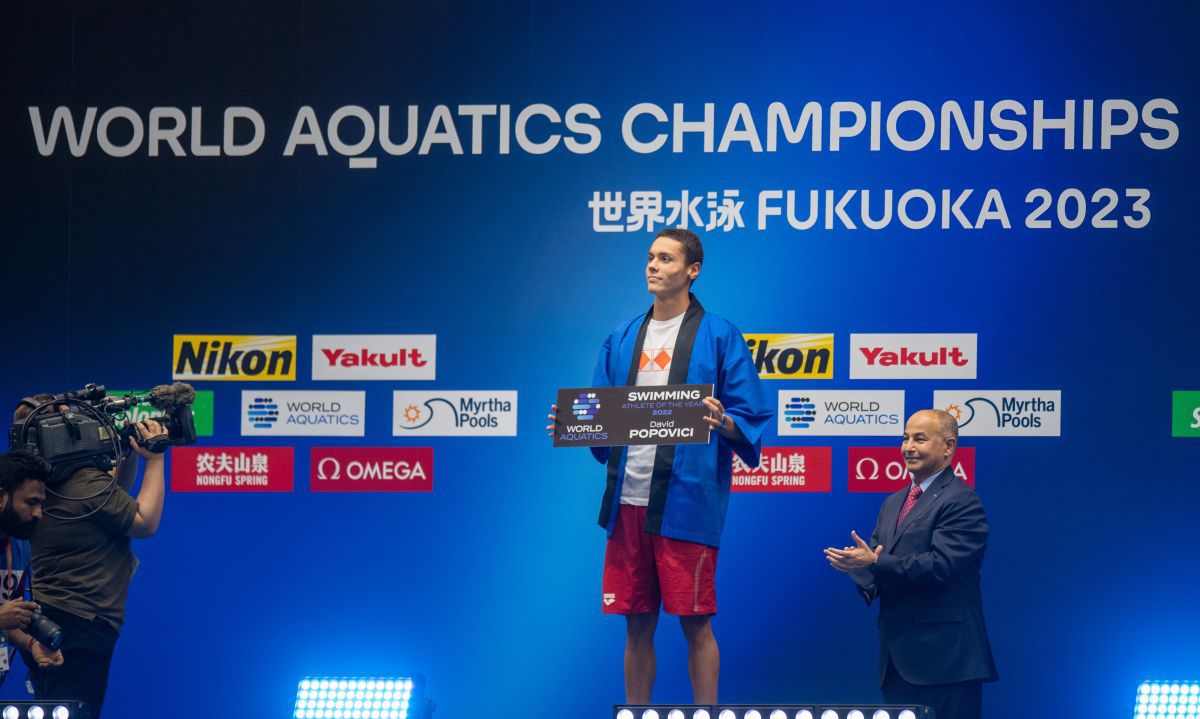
172,396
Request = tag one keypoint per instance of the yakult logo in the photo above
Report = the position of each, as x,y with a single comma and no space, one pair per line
357,357
923,356
882,469
371,469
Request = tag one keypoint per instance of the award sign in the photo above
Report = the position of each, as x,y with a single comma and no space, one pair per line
617,416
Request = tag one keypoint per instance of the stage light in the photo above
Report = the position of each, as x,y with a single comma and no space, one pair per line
782,711
361,698
663,711
41,710
1167,700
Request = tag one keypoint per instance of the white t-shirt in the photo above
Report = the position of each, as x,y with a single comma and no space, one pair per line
654,367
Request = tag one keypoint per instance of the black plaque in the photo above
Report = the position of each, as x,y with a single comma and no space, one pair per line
617,416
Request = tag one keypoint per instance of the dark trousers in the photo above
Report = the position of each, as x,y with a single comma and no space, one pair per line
87,650
960,700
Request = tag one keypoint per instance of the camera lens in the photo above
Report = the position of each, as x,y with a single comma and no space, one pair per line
46,632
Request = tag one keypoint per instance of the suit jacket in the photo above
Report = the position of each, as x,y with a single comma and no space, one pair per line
927,582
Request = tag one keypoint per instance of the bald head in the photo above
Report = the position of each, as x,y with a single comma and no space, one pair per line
930,438
947,425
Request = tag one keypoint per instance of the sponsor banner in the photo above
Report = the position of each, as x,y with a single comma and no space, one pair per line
617,416
1003,413
202,411
785,469
1185,414
369,357
881,469
451,413
920,356
371,469
792,356
235,357
267,413
231,469
841,412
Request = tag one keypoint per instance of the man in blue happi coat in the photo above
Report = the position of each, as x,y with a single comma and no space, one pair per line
664,506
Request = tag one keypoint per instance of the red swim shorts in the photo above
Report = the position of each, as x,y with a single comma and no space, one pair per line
643,569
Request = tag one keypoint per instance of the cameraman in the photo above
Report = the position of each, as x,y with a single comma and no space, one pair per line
83,562
22,491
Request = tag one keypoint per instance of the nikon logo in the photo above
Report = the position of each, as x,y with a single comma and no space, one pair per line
792,356
235,357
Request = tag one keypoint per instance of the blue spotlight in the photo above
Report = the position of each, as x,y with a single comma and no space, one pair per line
362,698
1167,700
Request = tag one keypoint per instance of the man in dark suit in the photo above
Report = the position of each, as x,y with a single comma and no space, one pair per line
929,543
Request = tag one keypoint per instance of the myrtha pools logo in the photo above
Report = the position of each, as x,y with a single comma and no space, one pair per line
447,414
998,413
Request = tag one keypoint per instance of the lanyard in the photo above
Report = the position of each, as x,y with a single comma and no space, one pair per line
7,560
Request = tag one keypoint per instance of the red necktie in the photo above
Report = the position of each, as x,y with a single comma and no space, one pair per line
913,495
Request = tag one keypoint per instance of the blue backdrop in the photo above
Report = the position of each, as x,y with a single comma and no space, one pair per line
488,585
